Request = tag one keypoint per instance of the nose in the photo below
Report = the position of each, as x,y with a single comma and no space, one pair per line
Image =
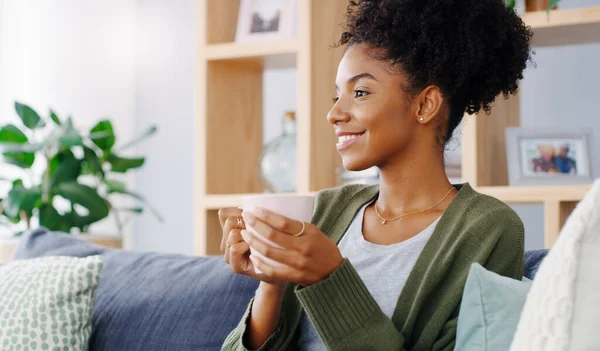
338,113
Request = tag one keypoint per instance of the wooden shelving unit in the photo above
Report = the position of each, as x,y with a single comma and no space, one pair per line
563,27
273,54
230,112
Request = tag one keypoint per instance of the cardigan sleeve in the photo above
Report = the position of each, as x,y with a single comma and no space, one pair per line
280,339
363,326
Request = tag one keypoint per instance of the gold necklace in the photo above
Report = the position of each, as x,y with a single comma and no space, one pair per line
384,221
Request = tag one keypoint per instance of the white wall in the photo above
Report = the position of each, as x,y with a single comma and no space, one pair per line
165,51
73,56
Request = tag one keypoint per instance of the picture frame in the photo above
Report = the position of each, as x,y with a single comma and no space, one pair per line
548,156
262,20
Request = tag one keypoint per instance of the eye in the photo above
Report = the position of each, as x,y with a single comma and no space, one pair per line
335,99
360,93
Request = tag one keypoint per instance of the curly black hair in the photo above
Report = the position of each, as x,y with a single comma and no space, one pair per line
473,50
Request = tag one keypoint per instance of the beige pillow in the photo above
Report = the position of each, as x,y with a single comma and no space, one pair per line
562,310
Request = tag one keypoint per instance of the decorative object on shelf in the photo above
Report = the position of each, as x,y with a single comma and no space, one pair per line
548,156
367,176
277,163
266,20
540,5
517,5
531,5
75,177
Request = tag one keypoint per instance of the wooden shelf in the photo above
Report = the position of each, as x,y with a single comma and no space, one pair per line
215,202
536,194
272,54
563,27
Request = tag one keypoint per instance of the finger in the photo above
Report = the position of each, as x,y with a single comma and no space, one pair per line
275,220
227,212
231,239
237,258
234,237
284,273
230,224
286,257
270,233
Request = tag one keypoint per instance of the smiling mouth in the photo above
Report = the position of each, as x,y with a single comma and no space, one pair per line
346,140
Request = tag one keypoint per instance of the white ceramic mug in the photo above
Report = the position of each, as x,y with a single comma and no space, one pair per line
297,207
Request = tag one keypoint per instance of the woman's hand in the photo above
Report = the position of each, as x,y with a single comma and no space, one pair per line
308,258
236,251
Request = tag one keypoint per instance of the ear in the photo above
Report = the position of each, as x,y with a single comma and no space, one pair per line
430,102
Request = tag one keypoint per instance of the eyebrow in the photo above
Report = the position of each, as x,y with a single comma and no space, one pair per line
357,77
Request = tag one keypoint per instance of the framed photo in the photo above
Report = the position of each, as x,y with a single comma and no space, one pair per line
548,157
266,20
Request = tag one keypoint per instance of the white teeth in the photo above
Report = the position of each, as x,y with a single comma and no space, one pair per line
345,138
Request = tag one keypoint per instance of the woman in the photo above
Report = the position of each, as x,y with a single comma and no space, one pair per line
383,268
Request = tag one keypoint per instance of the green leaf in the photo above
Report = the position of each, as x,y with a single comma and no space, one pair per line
20,199
19,159
92,161
106,141
84,196
68,170
136,210
54,118
143,135
551,5
115,186
510,4
28,116
60,157
123,164
77,221
14,147
50,218
12,134
120,190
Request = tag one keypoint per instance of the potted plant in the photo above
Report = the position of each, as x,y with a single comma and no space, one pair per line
68,177
535,5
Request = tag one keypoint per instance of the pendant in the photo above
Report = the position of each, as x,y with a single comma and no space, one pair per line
383,222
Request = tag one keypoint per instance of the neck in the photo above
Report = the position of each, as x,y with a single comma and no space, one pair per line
411,183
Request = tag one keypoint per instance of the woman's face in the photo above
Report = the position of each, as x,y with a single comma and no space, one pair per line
372,113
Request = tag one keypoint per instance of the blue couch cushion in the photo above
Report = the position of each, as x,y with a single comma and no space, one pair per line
152,301
533,260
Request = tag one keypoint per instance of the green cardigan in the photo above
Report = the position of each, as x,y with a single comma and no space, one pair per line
474,228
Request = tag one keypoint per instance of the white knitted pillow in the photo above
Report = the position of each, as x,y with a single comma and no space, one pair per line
562,311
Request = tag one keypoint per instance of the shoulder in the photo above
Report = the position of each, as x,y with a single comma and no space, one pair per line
484,218
488,231
482,207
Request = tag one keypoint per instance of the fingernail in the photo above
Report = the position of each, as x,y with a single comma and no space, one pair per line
245,235
261,213
254,260
248,218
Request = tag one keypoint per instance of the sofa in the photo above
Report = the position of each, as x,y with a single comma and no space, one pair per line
154,301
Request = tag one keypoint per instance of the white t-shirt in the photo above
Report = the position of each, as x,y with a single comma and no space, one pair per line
383,268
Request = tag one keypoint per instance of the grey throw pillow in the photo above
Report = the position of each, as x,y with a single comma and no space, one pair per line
46,303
